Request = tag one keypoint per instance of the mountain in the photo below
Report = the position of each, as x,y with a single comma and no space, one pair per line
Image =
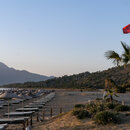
11,75
86,80
96,80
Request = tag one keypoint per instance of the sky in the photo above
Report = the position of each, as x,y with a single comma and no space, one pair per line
61,37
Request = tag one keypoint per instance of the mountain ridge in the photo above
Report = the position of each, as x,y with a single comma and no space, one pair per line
9,75
96,80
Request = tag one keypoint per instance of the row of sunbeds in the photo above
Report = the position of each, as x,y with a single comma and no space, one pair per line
23,114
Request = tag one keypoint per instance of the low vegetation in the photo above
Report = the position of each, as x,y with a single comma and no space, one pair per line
79,106
111,105
107,117
101,111
122,108
81,113
94,107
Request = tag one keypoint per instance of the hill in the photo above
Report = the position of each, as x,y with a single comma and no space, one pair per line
85,80
10,75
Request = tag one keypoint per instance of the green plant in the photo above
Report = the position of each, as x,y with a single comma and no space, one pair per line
122,108
125,57
126,53
110,93
81,113
91,107
79,106
106,117
110,88
112,55
121,89
111,105
98,98
95,107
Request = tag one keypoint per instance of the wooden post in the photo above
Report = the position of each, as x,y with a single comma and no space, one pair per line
37,117
31,121
27,122
60,109
43,115
51,112
24,125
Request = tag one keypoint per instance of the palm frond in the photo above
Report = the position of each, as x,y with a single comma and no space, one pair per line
106,96
125,59
116,95
126,53
126,48
112,55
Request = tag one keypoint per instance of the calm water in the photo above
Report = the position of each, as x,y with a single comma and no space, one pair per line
5,88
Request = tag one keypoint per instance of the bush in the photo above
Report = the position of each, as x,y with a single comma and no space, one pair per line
81,113
111,105
76,112
79,106
93,108
126,85
98,98
121,89
106,117
122,108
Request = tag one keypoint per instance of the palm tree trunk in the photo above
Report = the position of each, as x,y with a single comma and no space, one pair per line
111,98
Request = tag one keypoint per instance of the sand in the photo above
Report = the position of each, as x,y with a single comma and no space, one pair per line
64,101
69,122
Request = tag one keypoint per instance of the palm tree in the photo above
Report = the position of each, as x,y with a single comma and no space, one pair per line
126,53
112,55
110,88
110,93
125,58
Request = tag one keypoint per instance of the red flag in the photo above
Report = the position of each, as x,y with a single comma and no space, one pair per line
126,29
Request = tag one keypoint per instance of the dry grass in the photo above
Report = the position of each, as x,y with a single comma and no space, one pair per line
62,121
69,122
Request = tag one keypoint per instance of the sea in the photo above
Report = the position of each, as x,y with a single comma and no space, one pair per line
5,88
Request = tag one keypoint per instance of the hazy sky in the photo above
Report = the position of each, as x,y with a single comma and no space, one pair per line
61,37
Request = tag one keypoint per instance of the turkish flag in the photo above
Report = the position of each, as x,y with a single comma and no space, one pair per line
126,29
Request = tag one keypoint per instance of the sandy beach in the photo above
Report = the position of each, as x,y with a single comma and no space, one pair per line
64,101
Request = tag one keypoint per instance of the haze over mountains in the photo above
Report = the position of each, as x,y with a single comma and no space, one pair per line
10,75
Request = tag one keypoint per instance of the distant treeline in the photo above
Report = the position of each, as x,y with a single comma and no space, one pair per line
96,80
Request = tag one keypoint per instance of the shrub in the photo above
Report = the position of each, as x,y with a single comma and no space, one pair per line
76,112
122,108
111,105
93,108
79,106
81,113
106,117
100,107
98,98
126,85
121,89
